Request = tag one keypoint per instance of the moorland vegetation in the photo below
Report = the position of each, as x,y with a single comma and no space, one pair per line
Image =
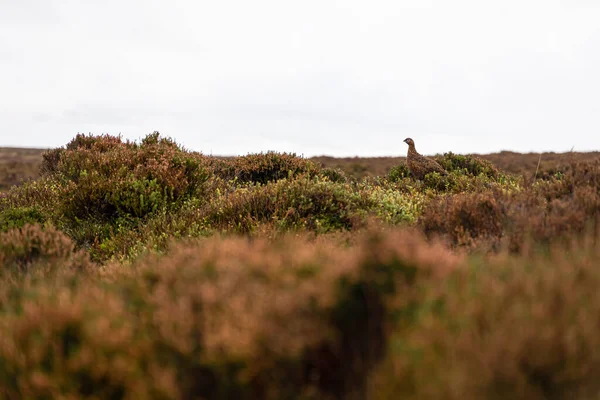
143,270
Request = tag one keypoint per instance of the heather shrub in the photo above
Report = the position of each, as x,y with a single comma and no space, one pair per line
79,342
18,217
153,234
468,165
547,218
334,175
34,247
109,186
303,203
464,218
559,208
464,174
575,175
266,167
398,173
221,318
43,194
511,327
394,206
52,160
321,336
506,218
115,179
457,182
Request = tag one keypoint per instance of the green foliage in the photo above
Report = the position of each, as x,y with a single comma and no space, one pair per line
20,216
306,203
266,167
334,175
464,174
458,182
43,194
393,206
469,165
398,173
109,185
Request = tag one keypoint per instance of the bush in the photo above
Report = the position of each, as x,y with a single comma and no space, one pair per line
507,328
547,212
202,321
115,179
303,203
394,206
469,165
18,217
266,167
464,218
398,173
562,218
334,175
33,247
44,194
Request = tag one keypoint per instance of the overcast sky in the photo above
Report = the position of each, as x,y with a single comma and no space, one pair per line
339,78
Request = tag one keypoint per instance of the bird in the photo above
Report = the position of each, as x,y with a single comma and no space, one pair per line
419,165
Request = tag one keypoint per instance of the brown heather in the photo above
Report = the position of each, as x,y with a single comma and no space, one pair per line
34,247
265,167
114,179
144,270
515,327
220,318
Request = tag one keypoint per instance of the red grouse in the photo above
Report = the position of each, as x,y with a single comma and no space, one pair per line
419,165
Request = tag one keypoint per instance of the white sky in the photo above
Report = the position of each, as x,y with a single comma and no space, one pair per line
313,77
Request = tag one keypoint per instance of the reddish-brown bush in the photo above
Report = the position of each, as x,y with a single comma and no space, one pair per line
464,218
220,318
510,327
35,247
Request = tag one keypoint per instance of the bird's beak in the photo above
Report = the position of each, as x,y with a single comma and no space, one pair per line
404,140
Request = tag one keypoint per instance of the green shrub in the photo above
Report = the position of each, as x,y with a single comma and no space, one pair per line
303,203
394,206
265,167
334,175
455,182
153,234
470,165
18,217
398,173
44,194
109,181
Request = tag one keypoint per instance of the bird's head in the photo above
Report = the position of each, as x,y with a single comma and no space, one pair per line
409,142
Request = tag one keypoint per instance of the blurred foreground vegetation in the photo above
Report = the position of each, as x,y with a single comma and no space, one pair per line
143,270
